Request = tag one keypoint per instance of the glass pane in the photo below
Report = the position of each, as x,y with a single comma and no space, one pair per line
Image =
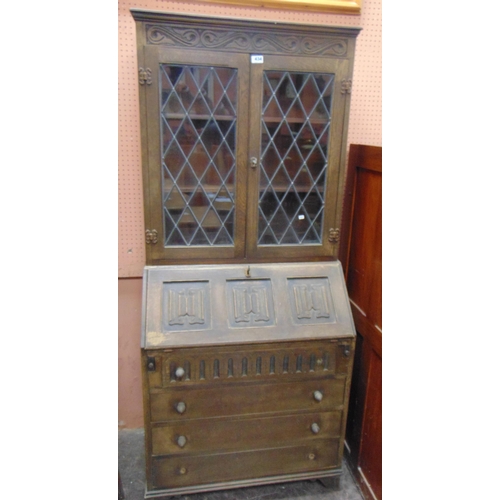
296,113
198,125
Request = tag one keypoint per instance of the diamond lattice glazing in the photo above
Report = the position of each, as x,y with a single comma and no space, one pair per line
295,126
198,122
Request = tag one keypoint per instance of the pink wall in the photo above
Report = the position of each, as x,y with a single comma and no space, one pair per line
365,128
129,369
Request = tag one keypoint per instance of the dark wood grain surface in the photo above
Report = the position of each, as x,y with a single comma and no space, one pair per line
361,255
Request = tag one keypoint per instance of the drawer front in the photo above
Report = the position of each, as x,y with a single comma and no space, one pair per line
196,366
182,470
246,399
244,434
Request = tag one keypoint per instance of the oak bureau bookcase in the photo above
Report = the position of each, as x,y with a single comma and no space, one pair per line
248,338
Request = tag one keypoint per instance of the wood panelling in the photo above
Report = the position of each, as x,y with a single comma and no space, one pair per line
370,454
361,255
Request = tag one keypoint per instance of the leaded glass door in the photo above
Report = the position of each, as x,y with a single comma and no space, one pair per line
197,168
298,116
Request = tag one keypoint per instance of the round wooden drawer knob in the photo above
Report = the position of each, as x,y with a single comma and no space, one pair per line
311,456
180,407
182,470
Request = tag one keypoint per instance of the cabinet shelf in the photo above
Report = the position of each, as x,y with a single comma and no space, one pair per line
181,116
279,119
189,188
211,221
212,189
281,188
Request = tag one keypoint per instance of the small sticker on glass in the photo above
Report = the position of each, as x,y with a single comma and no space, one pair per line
257,59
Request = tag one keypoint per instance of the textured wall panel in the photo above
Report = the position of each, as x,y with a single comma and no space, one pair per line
366,102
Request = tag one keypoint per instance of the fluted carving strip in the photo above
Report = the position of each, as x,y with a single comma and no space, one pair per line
240,40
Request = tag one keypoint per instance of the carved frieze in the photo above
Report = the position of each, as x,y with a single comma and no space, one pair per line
239,40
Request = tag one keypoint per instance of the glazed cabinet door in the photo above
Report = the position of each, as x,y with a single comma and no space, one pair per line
298,106
196,154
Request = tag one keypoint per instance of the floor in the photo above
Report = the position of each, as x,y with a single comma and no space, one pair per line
131,467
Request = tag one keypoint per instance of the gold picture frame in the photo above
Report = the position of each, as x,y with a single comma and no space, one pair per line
326,6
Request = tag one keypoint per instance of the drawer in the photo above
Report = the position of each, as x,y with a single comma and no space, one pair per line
215,435
292,361
184,470
246,399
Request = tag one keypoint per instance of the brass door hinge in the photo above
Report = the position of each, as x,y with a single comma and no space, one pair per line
334,235
346,87
151,236
145,76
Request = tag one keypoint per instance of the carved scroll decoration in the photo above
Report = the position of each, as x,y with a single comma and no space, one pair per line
238,40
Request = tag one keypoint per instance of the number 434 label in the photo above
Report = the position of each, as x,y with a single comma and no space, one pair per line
257,59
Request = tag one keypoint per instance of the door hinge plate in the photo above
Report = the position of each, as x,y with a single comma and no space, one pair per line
346,87
334,235
145,76
151,236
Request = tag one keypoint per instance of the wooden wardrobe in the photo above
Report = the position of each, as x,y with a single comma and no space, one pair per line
361,256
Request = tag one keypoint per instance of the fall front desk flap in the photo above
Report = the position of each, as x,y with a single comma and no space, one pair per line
240,303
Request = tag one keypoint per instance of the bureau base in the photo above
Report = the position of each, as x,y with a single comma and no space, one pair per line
329,478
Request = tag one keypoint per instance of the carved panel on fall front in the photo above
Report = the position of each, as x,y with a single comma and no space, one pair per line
186,306
311,300
250,303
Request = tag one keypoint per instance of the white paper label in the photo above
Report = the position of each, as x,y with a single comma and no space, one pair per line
301,217
257,59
